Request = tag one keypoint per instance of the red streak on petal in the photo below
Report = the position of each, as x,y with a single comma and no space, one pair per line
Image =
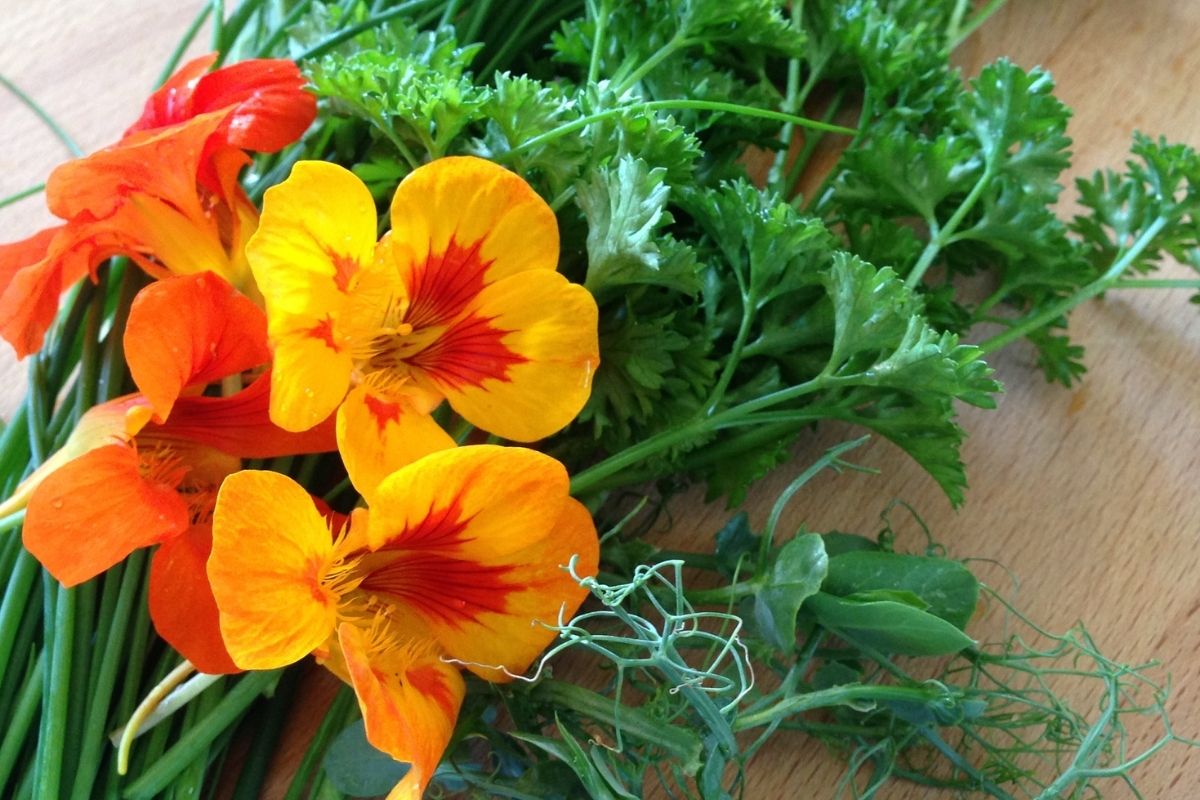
439,528
381,411
467,354
430,682
443,286
344,268
449,590
423,571
323,330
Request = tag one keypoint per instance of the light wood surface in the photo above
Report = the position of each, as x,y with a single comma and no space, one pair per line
1090,496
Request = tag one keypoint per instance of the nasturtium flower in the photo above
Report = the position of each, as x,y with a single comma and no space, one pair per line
459,560
460,301
166,195
144,469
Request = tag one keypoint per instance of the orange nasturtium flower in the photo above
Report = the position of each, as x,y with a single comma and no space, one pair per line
460,301
166,194
144,469
459,559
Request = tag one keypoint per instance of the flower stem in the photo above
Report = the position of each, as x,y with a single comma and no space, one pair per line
147,707
678,105
113,627
29,701
201,735
52,742
1097,287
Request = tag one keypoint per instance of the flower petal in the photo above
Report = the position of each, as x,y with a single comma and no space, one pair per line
270,107
162,164
93,511
159,198
410,700
309,379
114,422
271,550
34,272
240,425
191,331
377,437
462,223
172,102
317,231
181,601
520,362
471,541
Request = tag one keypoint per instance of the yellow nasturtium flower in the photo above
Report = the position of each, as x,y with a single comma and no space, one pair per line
460,301
460,557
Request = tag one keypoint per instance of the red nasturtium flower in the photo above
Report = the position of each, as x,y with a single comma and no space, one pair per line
166,194
460,301
144,469
460,556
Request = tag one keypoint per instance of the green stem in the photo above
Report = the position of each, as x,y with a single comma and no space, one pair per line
52,743
233,27
677,105
811,142
749,302
343,705
1157,283
673,45
723,595
792,102
281,30
188,37
981,16
1097,287
479,15
38,413
513,40
201,735
45,117
17,594
346,34
837,696
218,28
92,738
591,478
632,721
84,627
17,727
21,195
940,234
598,41
266,737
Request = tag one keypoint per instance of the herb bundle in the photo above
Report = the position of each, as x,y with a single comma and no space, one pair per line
734,315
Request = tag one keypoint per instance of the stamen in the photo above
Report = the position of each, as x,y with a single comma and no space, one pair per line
161,465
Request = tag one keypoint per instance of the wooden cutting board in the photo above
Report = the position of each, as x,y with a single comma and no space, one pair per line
1090,496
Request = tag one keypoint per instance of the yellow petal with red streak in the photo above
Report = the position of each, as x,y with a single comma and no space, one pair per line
376,437
309,378
520,362
317,230
461,224
409,699
271,551
471,541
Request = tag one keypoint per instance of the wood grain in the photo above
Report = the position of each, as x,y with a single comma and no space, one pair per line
1090,496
